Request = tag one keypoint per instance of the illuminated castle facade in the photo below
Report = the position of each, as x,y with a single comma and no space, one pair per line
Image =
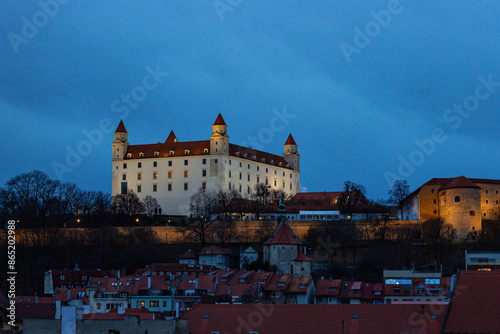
174,170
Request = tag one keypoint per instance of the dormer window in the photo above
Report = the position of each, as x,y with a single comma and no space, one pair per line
157,153
333,288
302,286
141,155
245,155
281,283
263,159
262,281
281,164
242,280
209,251
272,162
129,155
205,150
84,277
62,277
171,153
237,154
254,157
288,166
186,152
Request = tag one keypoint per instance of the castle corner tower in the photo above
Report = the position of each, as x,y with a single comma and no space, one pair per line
120,144
291,154
219,140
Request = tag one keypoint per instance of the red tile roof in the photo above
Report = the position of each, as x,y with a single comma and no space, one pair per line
219,120
260,156
214,250
189,255
283,235
290,140
76,277
164,149
121,127
460,182
301,256
171,138
318,319
325,287
204,283
474,307
143,313
35,311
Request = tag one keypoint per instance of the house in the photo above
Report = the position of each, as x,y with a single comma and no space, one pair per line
485,261
191,289
172,171
289,289
215,256
422,286
248,256
188,257
71,278
327,291
153,293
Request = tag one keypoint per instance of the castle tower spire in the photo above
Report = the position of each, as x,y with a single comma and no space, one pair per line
120,144
291,154
219,140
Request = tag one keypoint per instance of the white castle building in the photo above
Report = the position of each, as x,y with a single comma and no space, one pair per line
173,171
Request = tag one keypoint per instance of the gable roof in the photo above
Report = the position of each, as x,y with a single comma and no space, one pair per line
189,255
214,250
283,235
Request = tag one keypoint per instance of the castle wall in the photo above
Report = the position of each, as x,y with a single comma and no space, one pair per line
461,207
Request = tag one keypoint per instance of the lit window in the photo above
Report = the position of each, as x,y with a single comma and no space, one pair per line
186,174
186,152
98,306
205,150
170,175
139,176
155,175
171,153
141,154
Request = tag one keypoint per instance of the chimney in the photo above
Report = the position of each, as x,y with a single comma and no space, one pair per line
229,289
36,298
177,309
196,284
118,273
69,294
149,282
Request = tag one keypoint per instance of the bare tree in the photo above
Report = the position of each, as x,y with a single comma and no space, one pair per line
260,197
151,206
437,233
225,200
353,198
204,205
399,191
128,204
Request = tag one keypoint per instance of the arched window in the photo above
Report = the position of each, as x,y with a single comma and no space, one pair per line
457,199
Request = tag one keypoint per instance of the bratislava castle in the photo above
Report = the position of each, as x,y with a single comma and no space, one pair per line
174,170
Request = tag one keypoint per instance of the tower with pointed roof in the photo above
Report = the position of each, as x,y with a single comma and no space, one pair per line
284,250
219,140
172,171
120,143
291,154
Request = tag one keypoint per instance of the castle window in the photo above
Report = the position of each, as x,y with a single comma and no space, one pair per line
254,157
248,166
169,174
258,168
155,164
186,162
486,190
263,159
435,211
204,185
139,176
204,162
271,162
240,165
229,186
155,175
432,190
186,187
434,201
157,154
229,173
186,174
275,183
186,152
204,172
290,175
124,177
281,164
472,213
129,155
258,179
205,150
484,214
125,166
267,181
170,163
486,201
275,172
283,184
241,176
457,199
245,155
169,187
248,190
139,165
171,153
267,170
240,187
141,155
248,177
155,187
230,163
215,161
237,154
139,188
124,188
291,185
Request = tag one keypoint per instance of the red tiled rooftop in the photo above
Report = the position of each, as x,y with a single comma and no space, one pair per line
290,140
219,120
301,256
283,235
171,138
121,127
460,182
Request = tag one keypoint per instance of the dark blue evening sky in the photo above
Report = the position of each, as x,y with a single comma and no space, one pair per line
360,101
